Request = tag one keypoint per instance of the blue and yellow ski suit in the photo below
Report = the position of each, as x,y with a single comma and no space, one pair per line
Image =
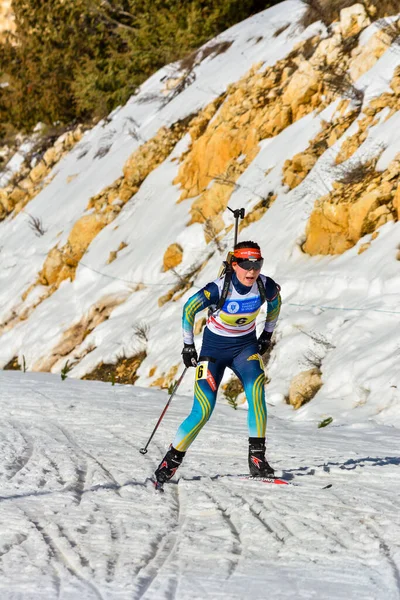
229,340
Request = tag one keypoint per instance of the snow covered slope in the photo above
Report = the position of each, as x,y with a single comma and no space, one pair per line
80,519
342,311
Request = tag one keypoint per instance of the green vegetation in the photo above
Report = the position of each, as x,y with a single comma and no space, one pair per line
79,59
65,370
75,60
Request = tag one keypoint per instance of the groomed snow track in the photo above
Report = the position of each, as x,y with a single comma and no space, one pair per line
80,519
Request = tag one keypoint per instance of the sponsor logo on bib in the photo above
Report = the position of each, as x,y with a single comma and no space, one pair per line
233,307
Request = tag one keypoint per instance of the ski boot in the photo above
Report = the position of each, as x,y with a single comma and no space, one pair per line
258,464
168,466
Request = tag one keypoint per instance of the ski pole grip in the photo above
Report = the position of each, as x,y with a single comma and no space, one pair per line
238,213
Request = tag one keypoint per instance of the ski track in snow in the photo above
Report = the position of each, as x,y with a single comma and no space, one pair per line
80,519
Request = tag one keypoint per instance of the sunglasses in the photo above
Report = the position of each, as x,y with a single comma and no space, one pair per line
248,265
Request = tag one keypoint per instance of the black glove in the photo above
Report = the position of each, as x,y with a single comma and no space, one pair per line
189,355
264,342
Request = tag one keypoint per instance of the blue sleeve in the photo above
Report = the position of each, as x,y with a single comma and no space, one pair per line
205,297
272,290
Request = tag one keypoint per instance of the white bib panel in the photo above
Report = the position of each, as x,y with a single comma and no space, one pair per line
238,313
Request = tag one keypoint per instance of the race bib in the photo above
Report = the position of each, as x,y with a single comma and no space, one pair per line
202,370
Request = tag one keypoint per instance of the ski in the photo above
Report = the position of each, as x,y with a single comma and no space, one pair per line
268,480
279,481
159,487
245,477
276,480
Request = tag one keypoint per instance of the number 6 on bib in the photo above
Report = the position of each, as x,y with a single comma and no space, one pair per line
202,370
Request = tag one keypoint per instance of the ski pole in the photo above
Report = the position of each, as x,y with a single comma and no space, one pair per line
177,384
238,214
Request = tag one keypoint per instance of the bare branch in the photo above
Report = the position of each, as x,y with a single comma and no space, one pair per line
36,225
106,17
118,10
141,330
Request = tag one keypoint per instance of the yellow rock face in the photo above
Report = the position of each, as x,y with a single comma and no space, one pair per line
199,124
358,213
212,227
329,50
364,57
260,105
395,82
361,205
7,22
210,157
303,84
264,103
324,235
396,202
166,380
212,202
353,20
138,166
61,264
28,184
353,210
304,386
297,168
39,172
83,233
52,267
172,257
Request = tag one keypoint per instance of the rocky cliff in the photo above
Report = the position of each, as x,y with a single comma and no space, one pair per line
297,125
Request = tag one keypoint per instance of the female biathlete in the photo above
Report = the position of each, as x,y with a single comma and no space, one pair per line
229,340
